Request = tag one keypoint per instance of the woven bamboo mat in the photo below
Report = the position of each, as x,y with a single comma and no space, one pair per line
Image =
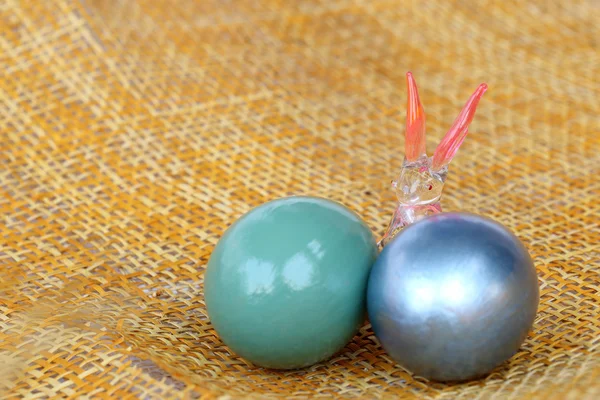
134,132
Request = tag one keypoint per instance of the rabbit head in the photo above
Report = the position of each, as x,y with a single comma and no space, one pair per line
422,178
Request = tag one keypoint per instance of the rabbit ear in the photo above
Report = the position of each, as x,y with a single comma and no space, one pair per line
456,135
414,144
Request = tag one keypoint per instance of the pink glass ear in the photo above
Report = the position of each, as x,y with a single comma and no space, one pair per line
414,146
456,135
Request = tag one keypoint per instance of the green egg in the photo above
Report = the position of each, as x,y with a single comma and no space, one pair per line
285,286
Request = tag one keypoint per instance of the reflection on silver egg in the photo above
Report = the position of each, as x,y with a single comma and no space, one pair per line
453,296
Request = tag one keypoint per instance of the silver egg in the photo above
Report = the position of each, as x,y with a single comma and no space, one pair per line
453,296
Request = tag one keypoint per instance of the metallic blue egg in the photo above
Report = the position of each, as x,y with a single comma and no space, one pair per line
452,296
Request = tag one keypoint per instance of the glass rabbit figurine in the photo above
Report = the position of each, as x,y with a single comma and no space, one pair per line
421,181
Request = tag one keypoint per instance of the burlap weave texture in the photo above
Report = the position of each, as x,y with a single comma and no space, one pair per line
134,132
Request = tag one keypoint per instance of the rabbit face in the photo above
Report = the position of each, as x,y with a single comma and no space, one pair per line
418,184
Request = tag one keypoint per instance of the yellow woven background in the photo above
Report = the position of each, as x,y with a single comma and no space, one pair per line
134,132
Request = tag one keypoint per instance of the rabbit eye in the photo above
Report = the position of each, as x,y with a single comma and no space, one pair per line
430,187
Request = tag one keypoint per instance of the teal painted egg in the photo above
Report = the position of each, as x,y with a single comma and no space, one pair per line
285,286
